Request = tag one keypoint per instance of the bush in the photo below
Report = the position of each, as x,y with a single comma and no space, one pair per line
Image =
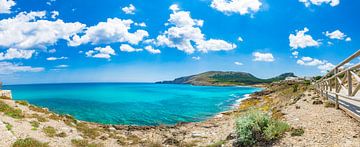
29,142
84,143
329,104
49,131
9,111
297,132
35,125
5,98
258,128
24,103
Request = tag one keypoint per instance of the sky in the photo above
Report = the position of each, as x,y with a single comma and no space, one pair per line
58,41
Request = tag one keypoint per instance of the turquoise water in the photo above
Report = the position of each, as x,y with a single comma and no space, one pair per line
132,103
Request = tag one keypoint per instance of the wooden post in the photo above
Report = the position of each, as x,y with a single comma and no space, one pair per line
337,101
349,83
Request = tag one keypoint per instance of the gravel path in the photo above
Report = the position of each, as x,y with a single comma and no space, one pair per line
323,126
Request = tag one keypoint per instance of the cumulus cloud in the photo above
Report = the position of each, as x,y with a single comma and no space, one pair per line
10,68
196,58
337,34
113,30
128,48
240,39
13,53
241,7
264,57
322,65
184,31
141,24
152,50
62,66
52,50
295,54
54,14
302,40
332,3
348,39
129,9
238,63
56,58
100,52
5,6
30,30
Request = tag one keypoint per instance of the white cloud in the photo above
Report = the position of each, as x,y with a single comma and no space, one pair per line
302,40
322,65
56,58
100,52
54,14
348,39
52,50
241,7
152,50
129,9
5,6
142,24
240,39
128,48
13,53
238,63
337,34
184,31
174,7
265,57
113,30
30,30
10,68
332,3
295,54
62,66
197,58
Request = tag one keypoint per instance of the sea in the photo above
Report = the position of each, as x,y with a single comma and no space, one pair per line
133,103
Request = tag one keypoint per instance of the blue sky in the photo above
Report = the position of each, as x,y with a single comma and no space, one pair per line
45,41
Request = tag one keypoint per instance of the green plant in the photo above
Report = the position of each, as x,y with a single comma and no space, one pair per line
257,127
29,142
21,102
329,104
5,98
84,143
297,132
9,111
39,118
35,125
8,126
87,131
217,144
49,131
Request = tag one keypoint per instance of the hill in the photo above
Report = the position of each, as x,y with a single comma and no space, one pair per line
225,78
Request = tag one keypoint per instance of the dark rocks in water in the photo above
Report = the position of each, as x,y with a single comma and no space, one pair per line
317,102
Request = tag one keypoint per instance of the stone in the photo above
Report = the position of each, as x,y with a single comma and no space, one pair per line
317,102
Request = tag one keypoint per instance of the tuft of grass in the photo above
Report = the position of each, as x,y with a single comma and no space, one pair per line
154,144
38,109
39,118
256,127
8,126
21,102
329,104
297,132
29,142
84,143
217,144
49,131
62,134
87,131
35,125
9,111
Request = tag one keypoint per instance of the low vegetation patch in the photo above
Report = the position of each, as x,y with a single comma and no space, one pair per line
8,126
38,109
217,144
39,118
258,128
87,131
297,132
49,131
35,125
84,143
329,104
24,103
5,98
29,142
9,111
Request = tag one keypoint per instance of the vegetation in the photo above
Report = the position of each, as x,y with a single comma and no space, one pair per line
329,104
84,143
49,131
62,134
225,78
257,127
29,142
24,103
38,109
297,132
87,131
5,98
39,118
8,126
217,144
9,111
35,125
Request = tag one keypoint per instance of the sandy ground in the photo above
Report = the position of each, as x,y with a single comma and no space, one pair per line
322,126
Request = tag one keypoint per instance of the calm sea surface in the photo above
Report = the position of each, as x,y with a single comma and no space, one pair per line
132,103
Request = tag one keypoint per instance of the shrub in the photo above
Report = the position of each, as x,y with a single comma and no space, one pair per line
38,109
29,142
84,143
8,126
297,132
87,131
5,98
35,125
24,103
49,131
9,111
39,118
329,104
257,128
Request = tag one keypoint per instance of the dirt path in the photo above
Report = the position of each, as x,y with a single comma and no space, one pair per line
323,126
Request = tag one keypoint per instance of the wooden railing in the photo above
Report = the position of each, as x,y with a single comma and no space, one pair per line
342,81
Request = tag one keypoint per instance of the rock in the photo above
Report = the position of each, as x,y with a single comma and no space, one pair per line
171,141
317,102
196,134
78,138
297,107
112,129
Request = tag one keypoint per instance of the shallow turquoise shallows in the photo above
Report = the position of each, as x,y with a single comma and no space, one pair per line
132,103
